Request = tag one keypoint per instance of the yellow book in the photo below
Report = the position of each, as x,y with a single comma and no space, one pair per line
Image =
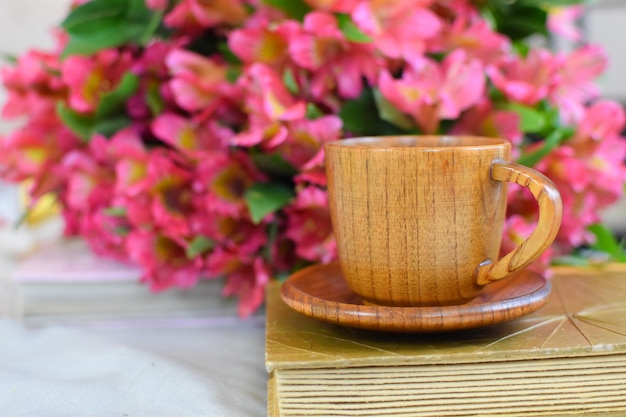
568,358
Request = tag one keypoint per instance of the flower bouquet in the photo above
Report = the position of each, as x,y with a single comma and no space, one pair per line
186,135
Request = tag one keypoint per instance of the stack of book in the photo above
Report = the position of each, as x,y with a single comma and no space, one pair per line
65,283
568,358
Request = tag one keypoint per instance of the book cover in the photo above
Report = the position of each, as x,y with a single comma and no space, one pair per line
65,283
569,358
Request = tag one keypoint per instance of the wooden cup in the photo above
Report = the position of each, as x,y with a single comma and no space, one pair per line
418,219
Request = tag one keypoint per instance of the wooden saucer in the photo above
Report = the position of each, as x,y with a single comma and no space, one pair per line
320,292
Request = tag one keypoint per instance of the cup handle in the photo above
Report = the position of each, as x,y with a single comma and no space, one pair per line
550,214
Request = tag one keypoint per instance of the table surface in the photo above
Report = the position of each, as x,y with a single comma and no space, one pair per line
194,369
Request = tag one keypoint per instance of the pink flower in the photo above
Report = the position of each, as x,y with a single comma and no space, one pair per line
575,81
602,119
309,226
230,233
185,135
265,44
163,259
171,192
32,85
336,63
197,81
589,179
223,180
525,80
195,15
475,37
303,146
88,78
484,120
562,21
340,6
34,149
270,105
277,103
130,160
399,29
88,183
430,92
105,234
245,277
157,4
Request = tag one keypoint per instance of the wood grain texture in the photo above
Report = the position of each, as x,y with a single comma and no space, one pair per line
415,216
550,214
321,292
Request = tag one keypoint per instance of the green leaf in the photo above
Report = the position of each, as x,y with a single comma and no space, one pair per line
607,243
296,9
92,16
101,24
545,4
549,144
79,124
531,120
350,30
109,126
199,245
571,260
517,20
390,113
290,81
115,211
154,100
113,102
274,164
360,116
313,112
265,198
9,58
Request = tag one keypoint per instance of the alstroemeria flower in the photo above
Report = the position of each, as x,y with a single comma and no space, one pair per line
475,37
197,80
130,158
430,92
231,233
246,278
602,119
304,143
528,80
309,226
194,16
265,44
399,29
562,21
89,184
88,78
223,179
184,134
32,86
335,62
339,6
589,179
484,120
32,150
172,194
575,81
270,104
163,259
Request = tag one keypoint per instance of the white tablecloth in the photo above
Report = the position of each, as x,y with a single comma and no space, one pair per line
184,372
210,368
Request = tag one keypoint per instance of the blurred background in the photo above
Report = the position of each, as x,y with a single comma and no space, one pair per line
28,23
